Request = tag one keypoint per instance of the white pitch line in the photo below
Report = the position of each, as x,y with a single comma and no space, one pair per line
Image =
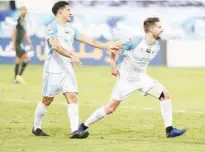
99,105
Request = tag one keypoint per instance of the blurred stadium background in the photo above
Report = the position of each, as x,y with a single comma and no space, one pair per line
183,22
137,125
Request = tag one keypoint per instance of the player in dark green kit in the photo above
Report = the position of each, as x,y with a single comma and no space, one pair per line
19,35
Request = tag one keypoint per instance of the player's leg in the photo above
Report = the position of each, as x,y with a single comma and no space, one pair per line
40,111
73,115
158,91
166,111
100,113
120,92
16,69
25,59
51,87
70,91
72,110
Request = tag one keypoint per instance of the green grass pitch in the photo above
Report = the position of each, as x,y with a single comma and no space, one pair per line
136,126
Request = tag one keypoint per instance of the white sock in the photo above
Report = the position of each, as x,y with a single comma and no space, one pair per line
73,114
95,116
39,113
166,111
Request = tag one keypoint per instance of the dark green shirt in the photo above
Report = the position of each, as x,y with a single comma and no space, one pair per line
20,31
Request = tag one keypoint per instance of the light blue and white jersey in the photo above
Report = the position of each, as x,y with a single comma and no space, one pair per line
56,63
135,56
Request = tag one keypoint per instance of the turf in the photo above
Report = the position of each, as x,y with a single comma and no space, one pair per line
136,126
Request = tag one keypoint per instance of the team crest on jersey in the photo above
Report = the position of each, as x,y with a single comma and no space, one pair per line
129,40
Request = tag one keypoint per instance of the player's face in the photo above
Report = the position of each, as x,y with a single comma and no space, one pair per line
23,12
66,13
157,30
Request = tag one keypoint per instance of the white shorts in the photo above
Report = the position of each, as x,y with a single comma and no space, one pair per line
144,84
53,83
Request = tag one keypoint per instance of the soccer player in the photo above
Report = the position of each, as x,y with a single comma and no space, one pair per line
58,70
19,34
132,62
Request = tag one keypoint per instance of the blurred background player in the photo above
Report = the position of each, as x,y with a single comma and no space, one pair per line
58,70
131,73
19,34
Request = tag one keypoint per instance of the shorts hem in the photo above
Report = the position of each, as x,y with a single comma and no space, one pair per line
70,92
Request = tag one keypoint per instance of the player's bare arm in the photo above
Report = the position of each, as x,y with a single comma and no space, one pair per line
113,65
118,44
110,46
14,39
58,48
27,38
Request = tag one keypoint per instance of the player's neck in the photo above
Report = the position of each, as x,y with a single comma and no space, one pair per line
149,39
60,20
22,17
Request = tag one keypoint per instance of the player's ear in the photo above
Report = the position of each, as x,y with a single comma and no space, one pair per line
60,11
151,29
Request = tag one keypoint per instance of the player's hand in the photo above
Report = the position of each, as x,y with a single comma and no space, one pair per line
13,48
31,46
112,47
76,61
114,71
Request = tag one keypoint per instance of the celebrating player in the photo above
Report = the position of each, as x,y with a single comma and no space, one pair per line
132,62
58,70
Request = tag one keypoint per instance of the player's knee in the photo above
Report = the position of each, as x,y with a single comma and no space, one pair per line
47,100
164,95
26,59
18,60
110,109
72,98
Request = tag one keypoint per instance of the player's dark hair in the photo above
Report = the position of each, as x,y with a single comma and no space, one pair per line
149,22
58,6
23,7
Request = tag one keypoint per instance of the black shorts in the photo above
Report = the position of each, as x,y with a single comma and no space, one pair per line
20,51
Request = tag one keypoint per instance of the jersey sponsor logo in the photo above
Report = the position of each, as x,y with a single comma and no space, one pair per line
148,51
67,30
